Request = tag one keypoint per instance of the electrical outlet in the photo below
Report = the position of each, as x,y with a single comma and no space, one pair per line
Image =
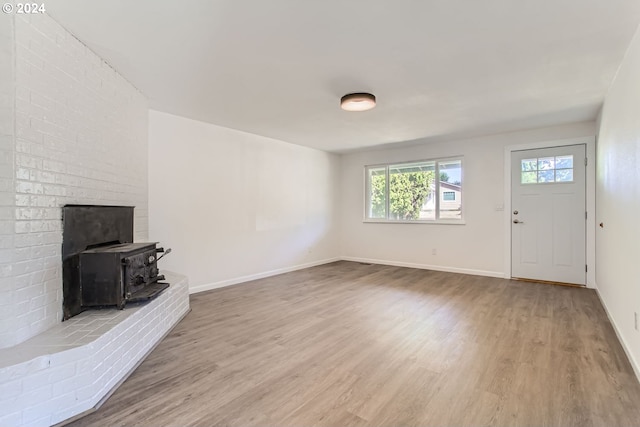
434,251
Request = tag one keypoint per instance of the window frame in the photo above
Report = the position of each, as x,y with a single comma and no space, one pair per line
386,166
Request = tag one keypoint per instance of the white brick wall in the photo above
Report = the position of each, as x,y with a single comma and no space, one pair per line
7,178
71,131
80,137
71,367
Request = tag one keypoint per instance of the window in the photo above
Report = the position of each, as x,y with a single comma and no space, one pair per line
546,169
409,192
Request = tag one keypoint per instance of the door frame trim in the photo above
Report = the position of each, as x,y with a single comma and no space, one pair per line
590,143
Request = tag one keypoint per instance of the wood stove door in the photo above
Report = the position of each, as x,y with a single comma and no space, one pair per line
101,279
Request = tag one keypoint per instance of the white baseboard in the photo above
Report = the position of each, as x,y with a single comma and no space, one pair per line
242,279
427,267
623,342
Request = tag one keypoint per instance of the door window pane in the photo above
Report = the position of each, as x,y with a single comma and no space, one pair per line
529,177
564,162
546,163
545,176
564,175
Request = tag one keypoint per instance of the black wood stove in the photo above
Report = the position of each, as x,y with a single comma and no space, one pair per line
101,264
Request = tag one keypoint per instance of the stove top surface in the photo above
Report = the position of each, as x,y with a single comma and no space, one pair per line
122,247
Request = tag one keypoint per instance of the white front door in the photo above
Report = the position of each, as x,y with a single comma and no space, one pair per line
548,214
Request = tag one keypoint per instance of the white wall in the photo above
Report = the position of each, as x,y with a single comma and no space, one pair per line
80,137
618,202
476,247
234,205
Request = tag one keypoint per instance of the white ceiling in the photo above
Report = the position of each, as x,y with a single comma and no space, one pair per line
439,68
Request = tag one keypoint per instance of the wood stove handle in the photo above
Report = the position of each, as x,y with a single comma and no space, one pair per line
167,252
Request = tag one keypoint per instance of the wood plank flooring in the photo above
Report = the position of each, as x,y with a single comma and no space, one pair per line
349,344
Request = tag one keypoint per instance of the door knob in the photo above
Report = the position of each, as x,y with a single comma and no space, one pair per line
515,221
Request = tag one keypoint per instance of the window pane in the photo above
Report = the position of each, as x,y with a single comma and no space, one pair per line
377,189
545,176
409,188
451,171
529,177
546,163
428,211
451,189
529,165
564,175
564,162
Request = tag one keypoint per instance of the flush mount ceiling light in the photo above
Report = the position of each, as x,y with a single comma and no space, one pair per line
357,102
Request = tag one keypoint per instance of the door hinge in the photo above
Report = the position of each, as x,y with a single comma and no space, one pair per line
585,215
585,161
586,268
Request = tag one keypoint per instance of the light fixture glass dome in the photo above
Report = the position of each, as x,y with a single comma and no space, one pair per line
358,102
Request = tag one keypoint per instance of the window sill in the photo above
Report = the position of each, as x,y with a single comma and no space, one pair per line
439,221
